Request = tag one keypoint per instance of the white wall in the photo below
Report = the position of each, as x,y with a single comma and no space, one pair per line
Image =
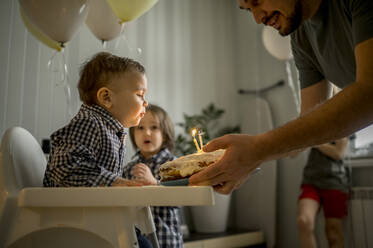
195,52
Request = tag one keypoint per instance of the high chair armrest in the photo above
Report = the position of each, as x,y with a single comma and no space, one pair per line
116,196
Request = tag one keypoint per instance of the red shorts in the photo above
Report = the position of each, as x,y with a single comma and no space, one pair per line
333,201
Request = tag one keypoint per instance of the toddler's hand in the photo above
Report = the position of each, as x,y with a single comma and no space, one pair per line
120,182
143,173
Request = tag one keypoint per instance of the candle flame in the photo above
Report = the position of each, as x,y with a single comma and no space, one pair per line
194,131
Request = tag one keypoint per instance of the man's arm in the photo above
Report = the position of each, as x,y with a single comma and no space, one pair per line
347,112
344,114
312,97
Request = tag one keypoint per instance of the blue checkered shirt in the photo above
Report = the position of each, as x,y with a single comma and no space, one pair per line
166,219
88,152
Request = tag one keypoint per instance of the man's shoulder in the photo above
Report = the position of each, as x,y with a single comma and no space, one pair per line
300,39
327,8
298,34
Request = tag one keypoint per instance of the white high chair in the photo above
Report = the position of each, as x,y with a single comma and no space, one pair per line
33,216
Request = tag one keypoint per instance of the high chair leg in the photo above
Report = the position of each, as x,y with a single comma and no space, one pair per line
144,222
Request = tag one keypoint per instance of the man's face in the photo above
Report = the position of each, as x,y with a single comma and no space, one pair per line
283,15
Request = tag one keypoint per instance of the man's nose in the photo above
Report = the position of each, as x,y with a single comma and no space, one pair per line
259,15
145,103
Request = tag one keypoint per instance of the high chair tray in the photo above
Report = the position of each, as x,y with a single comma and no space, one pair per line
117,196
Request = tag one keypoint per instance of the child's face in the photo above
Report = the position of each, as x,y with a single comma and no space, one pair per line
148,135
127,98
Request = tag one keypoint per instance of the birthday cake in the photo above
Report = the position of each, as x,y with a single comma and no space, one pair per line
188,165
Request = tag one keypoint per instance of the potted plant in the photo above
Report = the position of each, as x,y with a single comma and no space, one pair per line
207,122
210,219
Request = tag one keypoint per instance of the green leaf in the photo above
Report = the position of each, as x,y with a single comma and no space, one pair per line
208,122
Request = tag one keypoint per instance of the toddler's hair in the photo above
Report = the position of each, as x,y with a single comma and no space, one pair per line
166,126
100,70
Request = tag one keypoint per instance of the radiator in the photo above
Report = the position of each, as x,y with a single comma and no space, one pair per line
361,217
358,226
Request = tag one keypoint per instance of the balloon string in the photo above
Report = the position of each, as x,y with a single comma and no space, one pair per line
65,71
66,86
104,44
69,106
130,48
120,35
58,66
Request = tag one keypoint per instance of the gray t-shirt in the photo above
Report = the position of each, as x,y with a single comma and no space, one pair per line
323,46
324,172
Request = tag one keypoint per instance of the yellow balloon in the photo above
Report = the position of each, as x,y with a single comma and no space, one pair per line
128,10
38,35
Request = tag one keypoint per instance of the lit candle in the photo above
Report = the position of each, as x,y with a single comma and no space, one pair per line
194,131
200,139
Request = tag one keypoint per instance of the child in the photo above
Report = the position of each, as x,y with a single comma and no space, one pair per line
89,151
154,139
325,184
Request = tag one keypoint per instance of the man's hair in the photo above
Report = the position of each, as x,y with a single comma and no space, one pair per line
100,70
166,126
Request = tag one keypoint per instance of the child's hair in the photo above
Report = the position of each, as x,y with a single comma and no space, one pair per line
167,128
100,70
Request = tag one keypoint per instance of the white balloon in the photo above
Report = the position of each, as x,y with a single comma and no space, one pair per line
59,20
102,21
277,45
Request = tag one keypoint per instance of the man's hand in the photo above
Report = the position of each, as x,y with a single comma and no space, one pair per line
239,160
143,172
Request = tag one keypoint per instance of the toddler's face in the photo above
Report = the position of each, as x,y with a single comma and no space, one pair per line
148,135
128,98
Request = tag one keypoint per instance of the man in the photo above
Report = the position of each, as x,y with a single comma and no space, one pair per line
332,40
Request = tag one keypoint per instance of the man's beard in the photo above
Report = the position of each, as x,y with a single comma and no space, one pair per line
294,20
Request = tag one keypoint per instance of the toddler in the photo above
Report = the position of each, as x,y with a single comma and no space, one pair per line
325,185
89,151
154,139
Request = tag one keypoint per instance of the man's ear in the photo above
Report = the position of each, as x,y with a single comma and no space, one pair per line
104,97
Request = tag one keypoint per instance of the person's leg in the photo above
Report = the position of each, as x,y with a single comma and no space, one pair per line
334,233
335,209
307,210
308,206
142,240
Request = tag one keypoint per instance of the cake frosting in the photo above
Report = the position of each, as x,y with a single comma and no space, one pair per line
188,165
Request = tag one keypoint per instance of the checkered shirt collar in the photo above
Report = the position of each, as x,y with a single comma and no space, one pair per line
108,118
158,158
